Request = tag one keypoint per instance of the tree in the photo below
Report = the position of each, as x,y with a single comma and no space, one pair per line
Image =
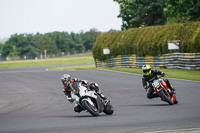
62,40
137,13
31,46
77,44
178,11
89,38
14,52
1,47
25,43
30,50
44,42
6,49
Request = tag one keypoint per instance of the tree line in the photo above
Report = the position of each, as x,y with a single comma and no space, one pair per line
32,46
140,13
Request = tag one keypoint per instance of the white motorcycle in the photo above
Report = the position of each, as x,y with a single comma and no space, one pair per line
89,100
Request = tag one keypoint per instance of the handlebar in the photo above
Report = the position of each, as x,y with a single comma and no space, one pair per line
154,78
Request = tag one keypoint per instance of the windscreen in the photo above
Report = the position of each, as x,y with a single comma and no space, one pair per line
75,87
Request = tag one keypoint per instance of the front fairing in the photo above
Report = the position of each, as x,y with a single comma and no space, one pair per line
159,84
80,91
75,87
156,83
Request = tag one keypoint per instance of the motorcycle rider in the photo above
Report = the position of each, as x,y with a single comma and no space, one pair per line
66,80
149,74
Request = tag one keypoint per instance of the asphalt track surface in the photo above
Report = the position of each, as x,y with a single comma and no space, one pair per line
32,101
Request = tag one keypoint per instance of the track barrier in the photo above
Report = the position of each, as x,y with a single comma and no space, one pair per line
173,60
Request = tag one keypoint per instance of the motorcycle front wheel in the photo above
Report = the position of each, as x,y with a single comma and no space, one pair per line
91,109
165,97
108,109
176,101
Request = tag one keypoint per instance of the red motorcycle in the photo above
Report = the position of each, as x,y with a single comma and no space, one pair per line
161,88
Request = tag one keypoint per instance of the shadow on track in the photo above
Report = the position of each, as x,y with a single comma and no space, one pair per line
78,116
148,105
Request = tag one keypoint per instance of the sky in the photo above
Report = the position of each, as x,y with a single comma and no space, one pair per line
43,16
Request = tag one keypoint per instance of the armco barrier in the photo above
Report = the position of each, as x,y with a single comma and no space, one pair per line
131,61
111,62
118,61
182,60
140,62
174,60
125,61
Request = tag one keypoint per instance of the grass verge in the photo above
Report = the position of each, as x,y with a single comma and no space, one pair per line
75,67
44,62
169,73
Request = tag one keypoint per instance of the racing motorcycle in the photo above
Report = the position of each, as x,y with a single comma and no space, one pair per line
161,88
89,100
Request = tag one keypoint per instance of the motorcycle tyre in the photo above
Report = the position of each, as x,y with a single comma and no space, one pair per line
88,108
176,101
166,98
108,109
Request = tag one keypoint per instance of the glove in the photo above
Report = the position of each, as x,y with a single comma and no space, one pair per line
162,74
145,87
75,79
96,85
84,81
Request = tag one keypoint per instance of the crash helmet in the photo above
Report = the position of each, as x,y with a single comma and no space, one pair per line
65,79
146,69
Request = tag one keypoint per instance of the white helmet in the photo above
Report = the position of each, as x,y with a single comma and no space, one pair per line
65,79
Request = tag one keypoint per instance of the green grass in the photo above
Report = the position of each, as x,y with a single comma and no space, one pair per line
169,73
76,67
52,61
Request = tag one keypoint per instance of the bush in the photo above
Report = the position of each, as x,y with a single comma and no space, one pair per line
148,41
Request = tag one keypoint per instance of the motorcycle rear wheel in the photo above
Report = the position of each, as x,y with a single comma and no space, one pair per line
89,108
165,97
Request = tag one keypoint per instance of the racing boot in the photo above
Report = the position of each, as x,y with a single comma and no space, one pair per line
102,96
154,95
176,101
106,101
78,109
150,96
172,91
163,99
171,87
